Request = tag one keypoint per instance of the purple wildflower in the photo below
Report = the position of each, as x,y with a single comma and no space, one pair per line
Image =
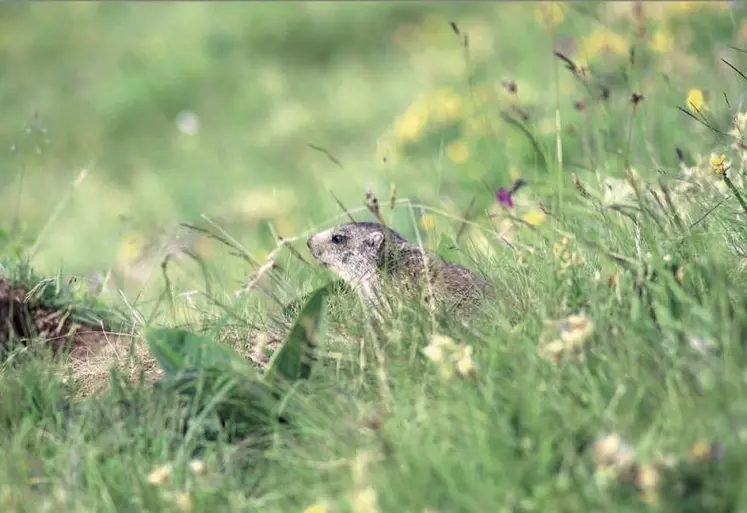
504,198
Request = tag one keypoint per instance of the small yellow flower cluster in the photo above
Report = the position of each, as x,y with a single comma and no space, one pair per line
130,248
442,106
661,41
264,203
602,40
409,126
612,453
695,100
439,108
661,10
457,151
160,475
365,500
698,179
428,221
316,508
535,217
551,14
616,461
450,356
574,332
719,164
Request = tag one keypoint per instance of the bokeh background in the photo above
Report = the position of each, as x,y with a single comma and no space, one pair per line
122,120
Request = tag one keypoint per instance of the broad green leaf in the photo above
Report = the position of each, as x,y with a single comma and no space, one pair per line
178,349
291,359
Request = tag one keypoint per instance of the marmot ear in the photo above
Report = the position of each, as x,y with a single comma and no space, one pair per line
375,240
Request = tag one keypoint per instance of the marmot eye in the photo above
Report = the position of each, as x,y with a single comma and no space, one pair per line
337,238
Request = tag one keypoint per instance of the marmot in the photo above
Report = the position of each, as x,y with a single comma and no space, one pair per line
369,257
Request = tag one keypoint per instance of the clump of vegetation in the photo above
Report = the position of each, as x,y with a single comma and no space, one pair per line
52,309
590,167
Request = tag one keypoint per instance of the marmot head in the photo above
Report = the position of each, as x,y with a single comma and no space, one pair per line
354,251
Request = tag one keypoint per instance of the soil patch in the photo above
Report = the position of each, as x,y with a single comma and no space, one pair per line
22,319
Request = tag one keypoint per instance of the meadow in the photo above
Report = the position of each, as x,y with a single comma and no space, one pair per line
164,163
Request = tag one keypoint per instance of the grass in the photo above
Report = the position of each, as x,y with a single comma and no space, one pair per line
608,375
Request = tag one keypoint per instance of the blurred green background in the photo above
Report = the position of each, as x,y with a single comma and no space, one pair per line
172,110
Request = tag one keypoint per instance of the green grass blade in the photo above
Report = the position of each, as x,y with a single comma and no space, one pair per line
291,360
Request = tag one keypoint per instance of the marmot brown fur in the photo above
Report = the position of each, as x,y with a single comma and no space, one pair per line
370,258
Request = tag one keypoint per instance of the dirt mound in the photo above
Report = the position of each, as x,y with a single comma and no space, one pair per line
22,319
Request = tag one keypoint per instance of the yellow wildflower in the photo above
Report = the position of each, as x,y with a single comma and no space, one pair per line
700,451
365,500
514,174
450,356
647,479
661,41
719,164
457,151
683,7
435,350
464,365
603,40
687,6
615,457
267,203
131,248
446,105
576,330
552,350
428,221
695,100
551,14
183,501
197,466
409,127
612,450
159,475
535,217
316,508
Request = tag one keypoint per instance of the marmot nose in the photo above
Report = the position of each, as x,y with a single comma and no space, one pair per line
308,242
